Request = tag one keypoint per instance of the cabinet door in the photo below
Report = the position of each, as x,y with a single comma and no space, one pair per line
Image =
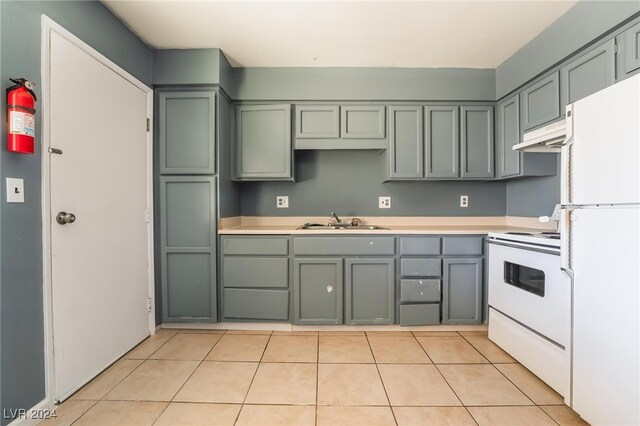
508,136
370,290
476,138
187,249
263,142
588,73
186,132
541,102
629,53
317,121
441,142
405,142
317,291
462,291
362,122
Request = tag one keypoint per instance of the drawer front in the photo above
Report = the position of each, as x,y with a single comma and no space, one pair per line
359,246
420,291
421,267
420,246
256,304
255,272
426,314
462,246
255,245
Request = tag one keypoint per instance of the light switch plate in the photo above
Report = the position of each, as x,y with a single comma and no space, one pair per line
15,190
384,202
282,201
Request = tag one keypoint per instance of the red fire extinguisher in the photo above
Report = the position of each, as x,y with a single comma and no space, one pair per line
21,116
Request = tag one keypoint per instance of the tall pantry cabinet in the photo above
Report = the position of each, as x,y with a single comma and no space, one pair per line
186,204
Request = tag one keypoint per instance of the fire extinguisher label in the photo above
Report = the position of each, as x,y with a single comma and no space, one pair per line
22,123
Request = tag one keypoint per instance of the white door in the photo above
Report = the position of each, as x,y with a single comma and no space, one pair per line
100,263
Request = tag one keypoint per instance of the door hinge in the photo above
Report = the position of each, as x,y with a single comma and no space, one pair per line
55,151
147,215
149,304
148,124
615,48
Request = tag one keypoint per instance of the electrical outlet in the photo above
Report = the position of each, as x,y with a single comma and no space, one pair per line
15,190
384,202
464,201
282,201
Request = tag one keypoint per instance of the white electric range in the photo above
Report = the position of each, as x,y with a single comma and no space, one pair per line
530,304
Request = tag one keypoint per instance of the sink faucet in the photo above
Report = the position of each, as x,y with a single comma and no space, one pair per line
335,216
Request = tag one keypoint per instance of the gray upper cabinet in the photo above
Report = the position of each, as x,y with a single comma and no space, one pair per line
588,73
541,102
186,132
317,121
317,291
187,248
628,57
462,291
405,142
370,290
476,141
362,122
508,129
441,142
263,142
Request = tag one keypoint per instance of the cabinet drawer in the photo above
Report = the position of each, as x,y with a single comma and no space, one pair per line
256,304
255,245
359,246
420,246
426,314
420,291
421,267
255,272
462,246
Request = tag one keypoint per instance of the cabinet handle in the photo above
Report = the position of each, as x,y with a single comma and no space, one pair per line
329,288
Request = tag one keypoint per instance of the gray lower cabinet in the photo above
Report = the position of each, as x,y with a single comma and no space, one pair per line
406,145
318,291
462,291
263,148
476,142
255,278
188,248
186,131
588,73
370,291
442,142
541,102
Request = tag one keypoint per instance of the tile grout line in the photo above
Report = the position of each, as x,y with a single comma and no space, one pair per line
375,361
253,378
456,394
84,412
315,420
188,378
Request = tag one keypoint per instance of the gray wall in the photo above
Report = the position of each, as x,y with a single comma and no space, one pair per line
580,25
349,183
433,84
533,196
22,383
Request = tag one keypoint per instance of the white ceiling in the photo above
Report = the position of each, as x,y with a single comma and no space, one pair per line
465,34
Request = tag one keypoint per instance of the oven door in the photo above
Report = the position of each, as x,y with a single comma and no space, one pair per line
526,284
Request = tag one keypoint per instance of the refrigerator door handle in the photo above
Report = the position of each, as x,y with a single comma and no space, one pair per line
566,216
565,159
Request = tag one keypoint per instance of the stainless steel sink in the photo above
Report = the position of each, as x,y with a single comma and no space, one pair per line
341,226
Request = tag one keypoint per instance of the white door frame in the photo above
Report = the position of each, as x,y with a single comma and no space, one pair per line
48,26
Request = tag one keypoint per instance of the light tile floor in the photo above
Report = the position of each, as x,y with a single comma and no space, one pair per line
196,377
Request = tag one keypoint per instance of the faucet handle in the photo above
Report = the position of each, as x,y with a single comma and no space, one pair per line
356,221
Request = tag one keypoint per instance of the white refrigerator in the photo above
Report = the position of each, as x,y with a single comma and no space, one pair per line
600,228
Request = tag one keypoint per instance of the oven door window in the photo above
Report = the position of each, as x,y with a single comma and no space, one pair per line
524,277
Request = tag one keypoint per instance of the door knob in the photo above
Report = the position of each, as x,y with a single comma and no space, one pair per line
63,218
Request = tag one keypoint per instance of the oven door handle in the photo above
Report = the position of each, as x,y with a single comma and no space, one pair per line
523,247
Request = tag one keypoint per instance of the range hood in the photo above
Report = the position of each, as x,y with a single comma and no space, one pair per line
545,139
